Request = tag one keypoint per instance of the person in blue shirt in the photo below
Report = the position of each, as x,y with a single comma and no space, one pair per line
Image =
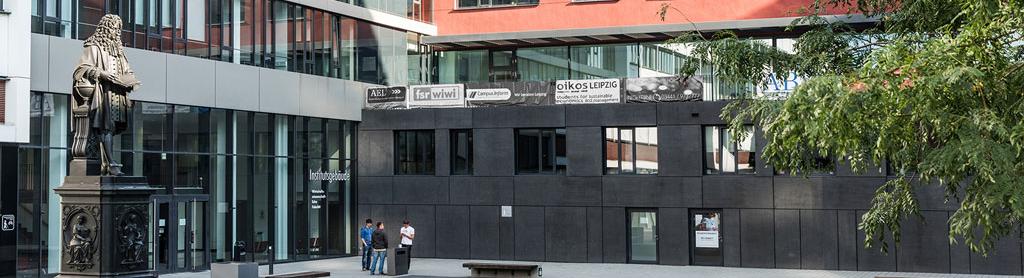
365,234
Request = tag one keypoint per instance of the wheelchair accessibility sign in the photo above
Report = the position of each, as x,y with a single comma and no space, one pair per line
8,222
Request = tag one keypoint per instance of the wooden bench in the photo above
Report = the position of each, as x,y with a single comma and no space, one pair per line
502,270
301,274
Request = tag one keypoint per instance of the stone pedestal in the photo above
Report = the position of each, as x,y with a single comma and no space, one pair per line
105,222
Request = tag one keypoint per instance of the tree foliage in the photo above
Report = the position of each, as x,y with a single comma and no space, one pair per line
934,90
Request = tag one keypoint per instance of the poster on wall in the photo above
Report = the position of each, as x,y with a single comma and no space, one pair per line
429,96
706,230
509,94
587,91
385,97
663,89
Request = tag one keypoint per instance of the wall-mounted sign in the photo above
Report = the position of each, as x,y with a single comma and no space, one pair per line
706,239
587,91
330,176
446,95
385,97
8,222
663,89
506,211
496,94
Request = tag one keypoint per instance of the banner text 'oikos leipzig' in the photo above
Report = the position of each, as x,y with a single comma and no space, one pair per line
587,91
385,98
446,95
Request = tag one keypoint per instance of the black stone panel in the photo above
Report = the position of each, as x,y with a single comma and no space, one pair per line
586,150
873,259
959,257
529,233
1004,260
484,232
757,237
797,192
787,239
924,245
519,116
507,238
453,242
673,236
393,217
442,152
378,213
731,243
376,153
397,119
701,113
469,190
615,235
932,197
420,190
455,118
601,115
679,150
819,244
595,237
422,218
737,192
651,191
557,191
849,243
375,190
565,234
843,169
494,152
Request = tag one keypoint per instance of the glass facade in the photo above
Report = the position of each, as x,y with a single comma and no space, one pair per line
421,10
469,4
228,175
263,33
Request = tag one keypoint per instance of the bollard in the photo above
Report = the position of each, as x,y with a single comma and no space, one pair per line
270,251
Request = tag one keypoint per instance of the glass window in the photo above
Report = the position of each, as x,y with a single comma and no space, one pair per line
150,129
631,150
540,151
494,3
723,154
192,128
543,63
462,66
604,61
462,152
414,152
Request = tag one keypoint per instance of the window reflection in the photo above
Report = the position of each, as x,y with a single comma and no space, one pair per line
631,150
725,154
541,151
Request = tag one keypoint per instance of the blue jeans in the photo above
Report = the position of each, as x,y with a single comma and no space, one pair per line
367,256
378,261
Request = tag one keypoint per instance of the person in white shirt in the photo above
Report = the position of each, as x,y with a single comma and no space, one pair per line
408,234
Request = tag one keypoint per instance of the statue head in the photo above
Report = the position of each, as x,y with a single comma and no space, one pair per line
81,219
108,35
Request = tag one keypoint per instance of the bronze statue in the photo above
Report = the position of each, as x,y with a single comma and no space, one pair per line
80,246
101,108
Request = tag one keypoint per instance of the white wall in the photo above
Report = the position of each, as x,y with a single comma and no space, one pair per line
15,63
177,79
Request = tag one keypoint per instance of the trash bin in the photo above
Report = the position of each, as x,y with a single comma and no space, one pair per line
398,261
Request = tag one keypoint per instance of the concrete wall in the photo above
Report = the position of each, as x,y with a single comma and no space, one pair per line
178,79
769,221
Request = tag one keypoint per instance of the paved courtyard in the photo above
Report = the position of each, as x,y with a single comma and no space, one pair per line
349,267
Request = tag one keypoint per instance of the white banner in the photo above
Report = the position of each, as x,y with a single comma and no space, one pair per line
447,95
587,91
705,239
488,94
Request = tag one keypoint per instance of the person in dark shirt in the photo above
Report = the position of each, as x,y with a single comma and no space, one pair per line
365,249
379,242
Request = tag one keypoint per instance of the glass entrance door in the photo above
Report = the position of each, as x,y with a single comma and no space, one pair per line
179,234
643,236
706,227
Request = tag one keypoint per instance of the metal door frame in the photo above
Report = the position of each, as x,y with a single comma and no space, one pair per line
172,232
692,234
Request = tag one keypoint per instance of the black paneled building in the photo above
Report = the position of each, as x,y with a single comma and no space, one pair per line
630,183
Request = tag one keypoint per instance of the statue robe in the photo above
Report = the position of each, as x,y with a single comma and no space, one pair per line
109,107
